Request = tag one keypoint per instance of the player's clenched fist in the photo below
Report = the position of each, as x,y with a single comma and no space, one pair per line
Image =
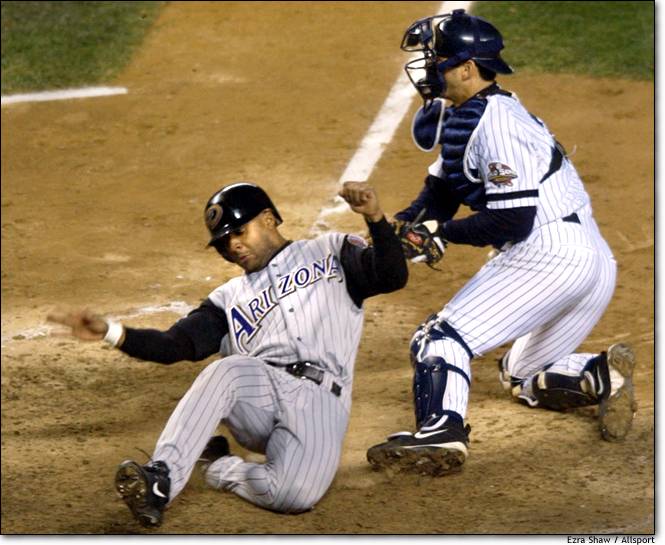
84,324
362,199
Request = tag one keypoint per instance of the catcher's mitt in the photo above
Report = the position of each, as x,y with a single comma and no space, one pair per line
421,242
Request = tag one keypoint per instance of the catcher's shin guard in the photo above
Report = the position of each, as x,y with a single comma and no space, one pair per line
429,386
558,391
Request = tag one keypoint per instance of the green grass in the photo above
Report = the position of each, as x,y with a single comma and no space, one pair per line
595,38
55,45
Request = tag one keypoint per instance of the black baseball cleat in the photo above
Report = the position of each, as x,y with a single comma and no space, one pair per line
145,490
438,452
217,447
617,411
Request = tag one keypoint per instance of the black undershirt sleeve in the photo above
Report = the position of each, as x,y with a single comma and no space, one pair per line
380,268
437,200
494,227
192,338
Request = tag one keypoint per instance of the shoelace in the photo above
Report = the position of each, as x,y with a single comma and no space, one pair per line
150,460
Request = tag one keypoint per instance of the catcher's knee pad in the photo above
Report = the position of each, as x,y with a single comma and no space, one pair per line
434,329
429,385
419,337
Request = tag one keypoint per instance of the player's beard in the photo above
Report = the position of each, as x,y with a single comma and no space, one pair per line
255,261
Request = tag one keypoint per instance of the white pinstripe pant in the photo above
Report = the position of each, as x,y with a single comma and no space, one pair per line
296,423
544,294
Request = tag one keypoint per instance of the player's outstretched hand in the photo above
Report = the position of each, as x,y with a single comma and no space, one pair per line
83,324
362,199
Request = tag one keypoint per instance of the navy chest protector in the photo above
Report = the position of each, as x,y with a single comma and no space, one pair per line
451,128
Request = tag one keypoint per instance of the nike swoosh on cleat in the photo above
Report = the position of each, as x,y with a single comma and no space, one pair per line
156,491
421,435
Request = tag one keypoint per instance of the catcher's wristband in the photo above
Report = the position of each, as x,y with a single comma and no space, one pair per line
115,334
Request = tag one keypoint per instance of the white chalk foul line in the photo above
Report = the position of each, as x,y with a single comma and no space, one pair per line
64,94
371,147
379,134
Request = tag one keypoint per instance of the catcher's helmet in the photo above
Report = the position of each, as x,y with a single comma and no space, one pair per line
458,37
233,206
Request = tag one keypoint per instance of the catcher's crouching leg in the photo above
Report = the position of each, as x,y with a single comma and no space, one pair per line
440,392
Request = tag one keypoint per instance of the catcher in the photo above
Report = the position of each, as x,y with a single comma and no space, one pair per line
553,275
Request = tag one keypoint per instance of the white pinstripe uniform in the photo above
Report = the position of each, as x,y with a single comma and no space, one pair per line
546,292
297,308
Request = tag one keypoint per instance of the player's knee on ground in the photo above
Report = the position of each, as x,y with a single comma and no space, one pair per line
297,503
293,496
263,485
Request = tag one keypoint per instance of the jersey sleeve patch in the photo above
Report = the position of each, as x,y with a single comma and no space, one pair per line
500,174
356,240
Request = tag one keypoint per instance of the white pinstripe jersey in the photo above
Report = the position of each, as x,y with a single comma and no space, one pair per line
297,308
508,135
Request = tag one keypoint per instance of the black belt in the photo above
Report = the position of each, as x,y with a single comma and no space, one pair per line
304,369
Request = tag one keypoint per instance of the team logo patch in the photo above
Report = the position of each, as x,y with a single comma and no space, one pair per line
500,174
213,215
357,241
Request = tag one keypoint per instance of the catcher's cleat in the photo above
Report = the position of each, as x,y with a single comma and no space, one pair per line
145,490
439,452
617,410
217,447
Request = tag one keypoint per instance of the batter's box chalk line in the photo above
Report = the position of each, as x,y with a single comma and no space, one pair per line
631,246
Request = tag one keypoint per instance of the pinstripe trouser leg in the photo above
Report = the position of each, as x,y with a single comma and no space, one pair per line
549,301
299,425
555,341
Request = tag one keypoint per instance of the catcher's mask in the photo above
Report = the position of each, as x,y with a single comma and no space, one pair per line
456,36
232,207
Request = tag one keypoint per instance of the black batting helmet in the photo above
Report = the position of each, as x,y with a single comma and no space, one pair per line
233,206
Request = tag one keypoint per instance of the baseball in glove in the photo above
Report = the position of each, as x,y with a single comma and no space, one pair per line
421,242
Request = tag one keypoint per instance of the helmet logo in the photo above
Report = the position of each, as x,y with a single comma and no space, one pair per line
213,216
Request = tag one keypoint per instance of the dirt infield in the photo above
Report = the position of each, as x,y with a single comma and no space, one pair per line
102,205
